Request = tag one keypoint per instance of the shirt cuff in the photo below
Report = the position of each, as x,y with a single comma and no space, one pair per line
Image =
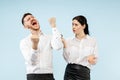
65,50
34,51
54,30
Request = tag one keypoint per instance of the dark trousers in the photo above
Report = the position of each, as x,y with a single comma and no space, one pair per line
40,77
76,72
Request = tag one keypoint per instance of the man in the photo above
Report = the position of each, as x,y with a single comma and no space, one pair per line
37,48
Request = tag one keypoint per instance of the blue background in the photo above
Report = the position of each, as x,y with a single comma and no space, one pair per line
104,24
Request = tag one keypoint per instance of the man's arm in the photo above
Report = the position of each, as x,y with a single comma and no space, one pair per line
56,41
30,55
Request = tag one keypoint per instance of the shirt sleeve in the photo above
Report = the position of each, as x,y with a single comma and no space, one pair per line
65,54
56,41
30,55
95,48
95,51
66,50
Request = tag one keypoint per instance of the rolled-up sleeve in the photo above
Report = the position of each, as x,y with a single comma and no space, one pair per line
30,55
56,41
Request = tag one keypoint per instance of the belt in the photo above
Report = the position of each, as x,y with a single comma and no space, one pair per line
78,66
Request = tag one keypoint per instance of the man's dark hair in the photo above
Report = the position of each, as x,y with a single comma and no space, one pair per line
25,16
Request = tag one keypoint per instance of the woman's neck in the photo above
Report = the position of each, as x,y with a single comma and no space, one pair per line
80,36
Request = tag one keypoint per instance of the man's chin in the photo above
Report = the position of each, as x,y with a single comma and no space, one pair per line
35,28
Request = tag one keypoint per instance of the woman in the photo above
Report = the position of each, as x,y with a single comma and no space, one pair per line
80,52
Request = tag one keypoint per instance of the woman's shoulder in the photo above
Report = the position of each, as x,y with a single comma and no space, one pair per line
91,38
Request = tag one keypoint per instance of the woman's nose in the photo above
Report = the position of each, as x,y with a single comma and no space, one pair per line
73,26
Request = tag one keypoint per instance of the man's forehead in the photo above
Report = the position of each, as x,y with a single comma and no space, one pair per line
28,16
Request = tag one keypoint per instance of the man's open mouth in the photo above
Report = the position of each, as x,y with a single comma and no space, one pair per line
34,23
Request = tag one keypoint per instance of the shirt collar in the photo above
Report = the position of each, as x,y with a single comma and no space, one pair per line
86,37
39,34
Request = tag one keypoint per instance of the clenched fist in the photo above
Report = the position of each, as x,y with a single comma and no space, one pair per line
35,38
35,41
52,22
92,59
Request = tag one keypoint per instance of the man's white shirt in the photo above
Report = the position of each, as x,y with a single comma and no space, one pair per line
40,61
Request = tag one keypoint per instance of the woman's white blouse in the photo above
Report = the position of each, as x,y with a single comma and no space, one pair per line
78,50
